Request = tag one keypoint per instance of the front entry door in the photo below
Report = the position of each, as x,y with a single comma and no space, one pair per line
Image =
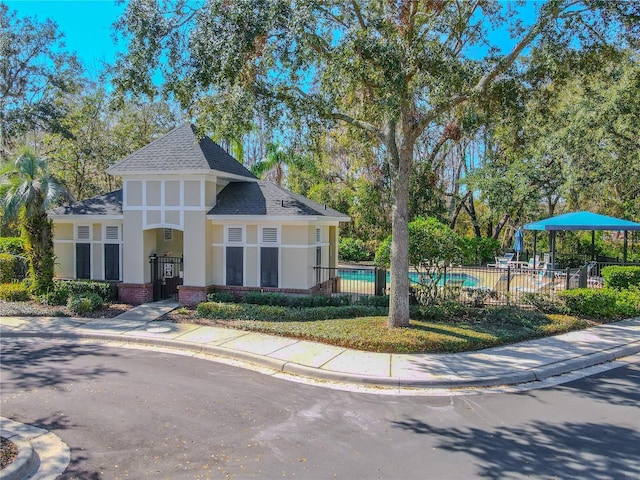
166,275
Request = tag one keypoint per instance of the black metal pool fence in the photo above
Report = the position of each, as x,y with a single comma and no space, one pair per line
468,284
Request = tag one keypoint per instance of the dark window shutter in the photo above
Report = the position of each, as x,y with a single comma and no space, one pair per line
268,267
234,266
112,262
83,260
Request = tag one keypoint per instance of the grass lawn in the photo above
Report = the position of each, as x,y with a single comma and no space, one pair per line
472,329
454,328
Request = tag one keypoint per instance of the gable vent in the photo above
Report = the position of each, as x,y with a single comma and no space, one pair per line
112,233
317,235
83,232
270,235
234,235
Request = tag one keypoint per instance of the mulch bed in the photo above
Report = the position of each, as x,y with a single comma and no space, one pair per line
36,309
8,452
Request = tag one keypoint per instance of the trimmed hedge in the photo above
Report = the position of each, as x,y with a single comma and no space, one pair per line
278,313
107,291
376,301
280,299
602,303
14,292
7,267
221,297
621,277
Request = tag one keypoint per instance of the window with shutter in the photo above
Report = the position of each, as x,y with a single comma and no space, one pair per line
83,232
269,235
112,232
234,235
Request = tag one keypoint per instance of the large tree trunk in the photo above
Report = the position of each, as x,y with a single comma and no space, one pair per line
399,300
38,231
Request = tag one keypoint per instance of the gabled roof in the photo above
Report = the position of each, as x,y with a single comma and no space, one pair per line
180,150
582,221
266,198
106,204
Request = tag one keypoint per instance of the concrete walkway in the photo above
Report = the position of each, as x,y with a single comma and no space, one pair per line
41,454
513,364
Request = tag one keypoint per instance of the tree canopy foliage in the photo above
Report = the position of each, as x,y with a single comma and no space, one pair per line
384,110
392,69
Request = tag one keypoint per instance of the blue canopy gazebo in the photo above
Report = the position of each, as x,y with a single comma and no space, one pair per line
581,221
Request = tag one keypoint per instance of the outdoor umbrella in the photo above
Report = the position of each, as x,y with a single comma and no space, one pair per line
518,243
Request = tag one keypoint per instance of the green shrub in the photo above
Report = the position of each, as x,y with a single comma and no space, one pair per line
107,291
602,303
314,301
544,302
628,302
353,250
84,303
301,301
221,297
58,296
376,301
259,298
7,267
443,312
621,277
283,314
14,292
12,245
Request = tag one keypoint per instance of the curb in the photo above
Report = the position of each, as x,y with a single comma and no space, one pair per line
26,462
288,367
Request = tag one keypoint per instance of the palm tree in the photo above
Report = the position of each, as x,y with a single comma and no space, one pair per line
272,165
30,190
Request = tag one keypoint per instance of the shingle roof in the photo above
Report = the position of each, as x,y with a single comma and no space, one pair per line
266,198
106,204
180,150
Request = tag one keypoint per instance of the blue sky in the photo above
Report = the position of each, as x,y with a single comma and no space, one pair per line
86,25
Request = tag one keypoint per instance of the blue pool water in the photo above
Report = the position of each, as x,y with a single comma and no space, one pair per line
368,276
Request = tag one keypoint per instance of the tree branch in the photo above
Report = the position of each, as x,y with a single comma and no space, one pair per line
358,12
369,127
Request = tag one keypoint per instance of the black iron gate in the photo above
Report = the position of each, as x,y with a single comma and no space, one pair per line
166,275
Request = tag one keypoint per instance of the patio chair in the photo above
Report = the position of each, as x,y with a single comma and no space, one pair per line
593,281
501,262
545,280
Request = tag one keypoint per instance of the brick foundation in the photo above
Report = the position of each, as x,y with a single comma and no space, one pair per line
327,287
135,293
188,295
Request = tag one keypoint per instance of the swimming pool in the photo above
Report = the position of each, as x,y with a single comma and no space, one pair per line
367,275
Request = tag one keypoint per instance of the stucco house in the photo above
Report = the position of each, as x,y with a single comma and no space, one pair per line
190,218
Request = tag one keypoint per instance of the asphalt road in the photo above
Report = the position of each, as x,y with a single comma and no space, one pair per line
140,414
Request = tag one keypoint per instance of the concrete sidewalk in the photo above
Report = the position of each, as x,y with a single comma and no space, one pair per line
513,364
